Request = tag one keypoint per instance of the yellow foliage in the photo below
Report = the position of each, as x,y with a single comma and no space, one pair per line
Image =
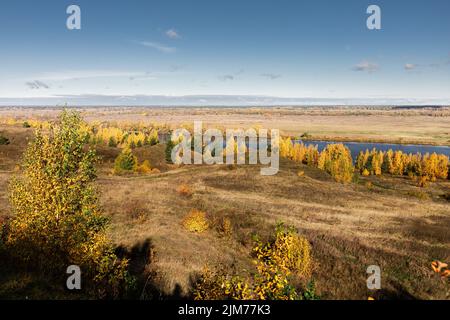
442,166
124,135
286,148
125,162
276,262
226,227
423,181
289,252
57,221
370,163
144,167
298,152
336,159
196,221
432,166
185,190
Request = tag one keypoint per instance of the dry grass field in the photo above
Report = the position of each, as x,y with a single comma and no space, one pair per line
386,221
377,124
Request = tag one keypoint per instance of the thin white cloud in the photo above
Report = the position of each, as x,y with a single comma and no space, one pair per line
410,66
36,85
67,75
173,34
158,46
232,76
226,77
271,76
176,67
366,66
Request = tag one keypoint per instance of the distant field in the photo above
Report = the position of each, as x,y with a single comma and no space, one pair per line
376,124
387,221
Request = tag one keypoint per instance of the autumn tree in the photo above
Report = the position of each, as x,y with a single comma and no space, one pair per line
442,166
125,162
336,159
57,220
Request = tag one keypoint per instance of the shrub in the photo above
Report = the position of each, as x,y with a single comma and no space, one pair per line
423,181
276,262
226,227
196,221
135,209
144,167
185,190
25,124
336,159
125,162
419,194
57,221
3,140
3,235
112,142
290,252
218,285
168,151
446,196
153,140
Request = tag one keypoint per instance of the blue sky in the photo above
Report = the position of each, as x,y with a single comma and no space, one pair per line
316,50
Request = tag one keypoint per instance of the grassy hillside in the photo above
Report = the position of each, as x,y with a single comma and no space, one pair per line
386,221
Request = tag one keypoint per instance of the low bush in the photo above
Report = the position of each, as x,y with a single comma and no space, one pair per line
144,167
185,191
277,262
112,142
225,227
423,181
446,196
125,162
196,221
3,140
288,251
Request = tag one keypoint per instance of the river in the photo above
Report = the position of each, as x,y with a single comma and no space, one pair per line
356,147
